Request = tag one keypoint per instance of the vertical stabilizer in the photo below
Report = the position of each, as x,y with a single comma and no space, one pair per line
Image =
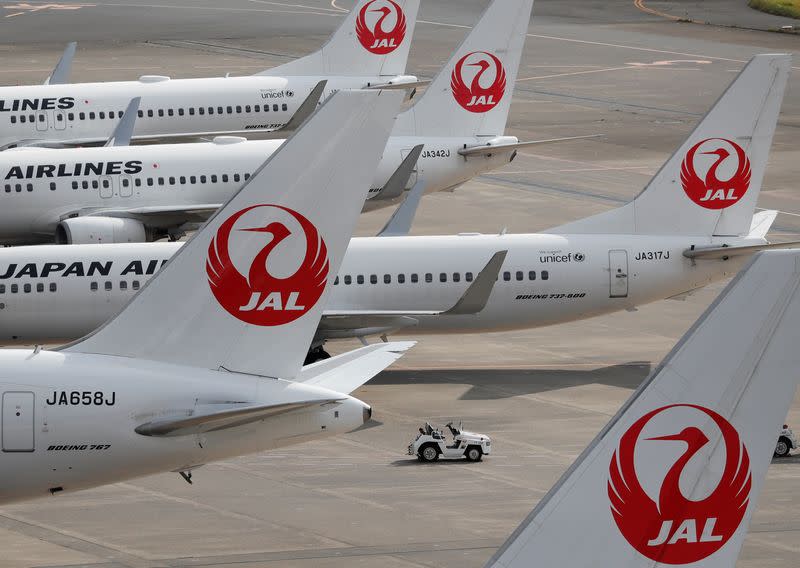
471,95
710,186
372,41
675,476
247,291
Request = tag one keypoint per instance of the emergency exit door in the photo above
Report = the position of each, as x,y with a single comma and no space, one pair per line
17,420
618,273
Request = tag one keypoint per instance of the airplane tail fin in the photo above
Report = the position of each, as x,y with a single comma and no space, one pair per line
373,40
710,186
471,95
246,292
675,476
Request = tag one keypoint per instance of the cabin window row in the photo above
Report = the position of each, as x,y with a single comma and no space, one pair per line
105,183
108,285
414,278
150,113
27,288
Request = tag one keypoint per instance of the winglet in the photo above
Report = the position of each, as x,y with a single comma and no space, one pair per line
397,183
675,476
476,296
124,131
305,110
399,224
60,74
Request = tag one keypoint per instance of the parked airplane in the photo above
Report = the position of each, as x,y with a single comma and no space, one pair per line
674,477
369,49
218,379
142,193
689,229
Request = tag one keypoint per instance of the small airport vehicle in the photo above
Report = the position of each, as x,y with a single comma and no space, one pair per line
430,444
786,442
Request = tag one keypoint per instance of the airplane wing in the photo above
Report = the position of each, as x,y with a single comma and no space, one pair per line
348,371
489,149
339,324
154,214
213,417
60,74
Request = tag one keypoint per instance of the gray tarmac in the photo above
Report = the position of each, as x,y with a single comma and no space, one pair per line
641,80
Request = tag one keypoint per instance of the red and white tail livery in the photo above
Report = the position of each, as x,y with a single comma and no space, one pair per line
674,478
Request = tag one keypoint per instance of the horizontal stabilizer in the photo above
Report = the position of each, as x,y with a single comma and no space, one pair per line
397,183
399,224
124,131
725,252
761,223
62,70
489,149
214,417
400,85
346,372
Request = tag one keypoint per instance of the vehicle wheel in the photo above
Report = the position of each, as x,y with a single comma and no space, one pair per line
782,447
474,454
429,453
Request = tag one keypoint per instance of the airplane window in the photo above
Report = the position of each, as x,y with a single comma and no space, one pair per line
82,115
91,116
160,181
111,114
256,108
170,112
414,278
180,112
456,277
39,287
360,279
59,117
520,275
2,288
150,113
14,288
29,187
53,286
468,276
230,110
442,277
192,179
275,108
219,110
74,185
137,182
201,110
119,114
95,184
41,118
108,285
30,118
17,187
347,280
135,285
183,180
26,288
246,108
191,111
125,182
106,184
428,277
373,279
161,112
246,177
387,278
336,282
506,276
101,114
85,184
93,286
171,180
202,179
213,178
123,285
13,120
140,114
224,178
71,116
8,188
210,110
531,275
284,106
149,182
22,118
266,108
238,108
52,186
545,275
236,177
401,278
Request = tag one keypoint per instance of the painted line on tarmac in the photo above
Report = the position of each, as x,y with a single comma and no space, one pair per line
641,6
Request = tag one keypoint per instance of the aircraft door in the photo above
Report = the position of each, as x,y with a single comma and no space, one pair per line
125,186
59,120
618,273
413,178
41,121
18,422
106,187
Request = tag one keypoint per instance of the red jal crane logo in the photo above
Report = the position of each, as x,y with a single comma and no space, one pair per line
712,192
259,297
478,96
374,38
677,530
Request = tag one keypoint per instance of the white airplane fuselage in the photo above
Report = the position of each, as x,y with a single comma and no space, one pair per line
69,420
41,187
88,112
53,293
